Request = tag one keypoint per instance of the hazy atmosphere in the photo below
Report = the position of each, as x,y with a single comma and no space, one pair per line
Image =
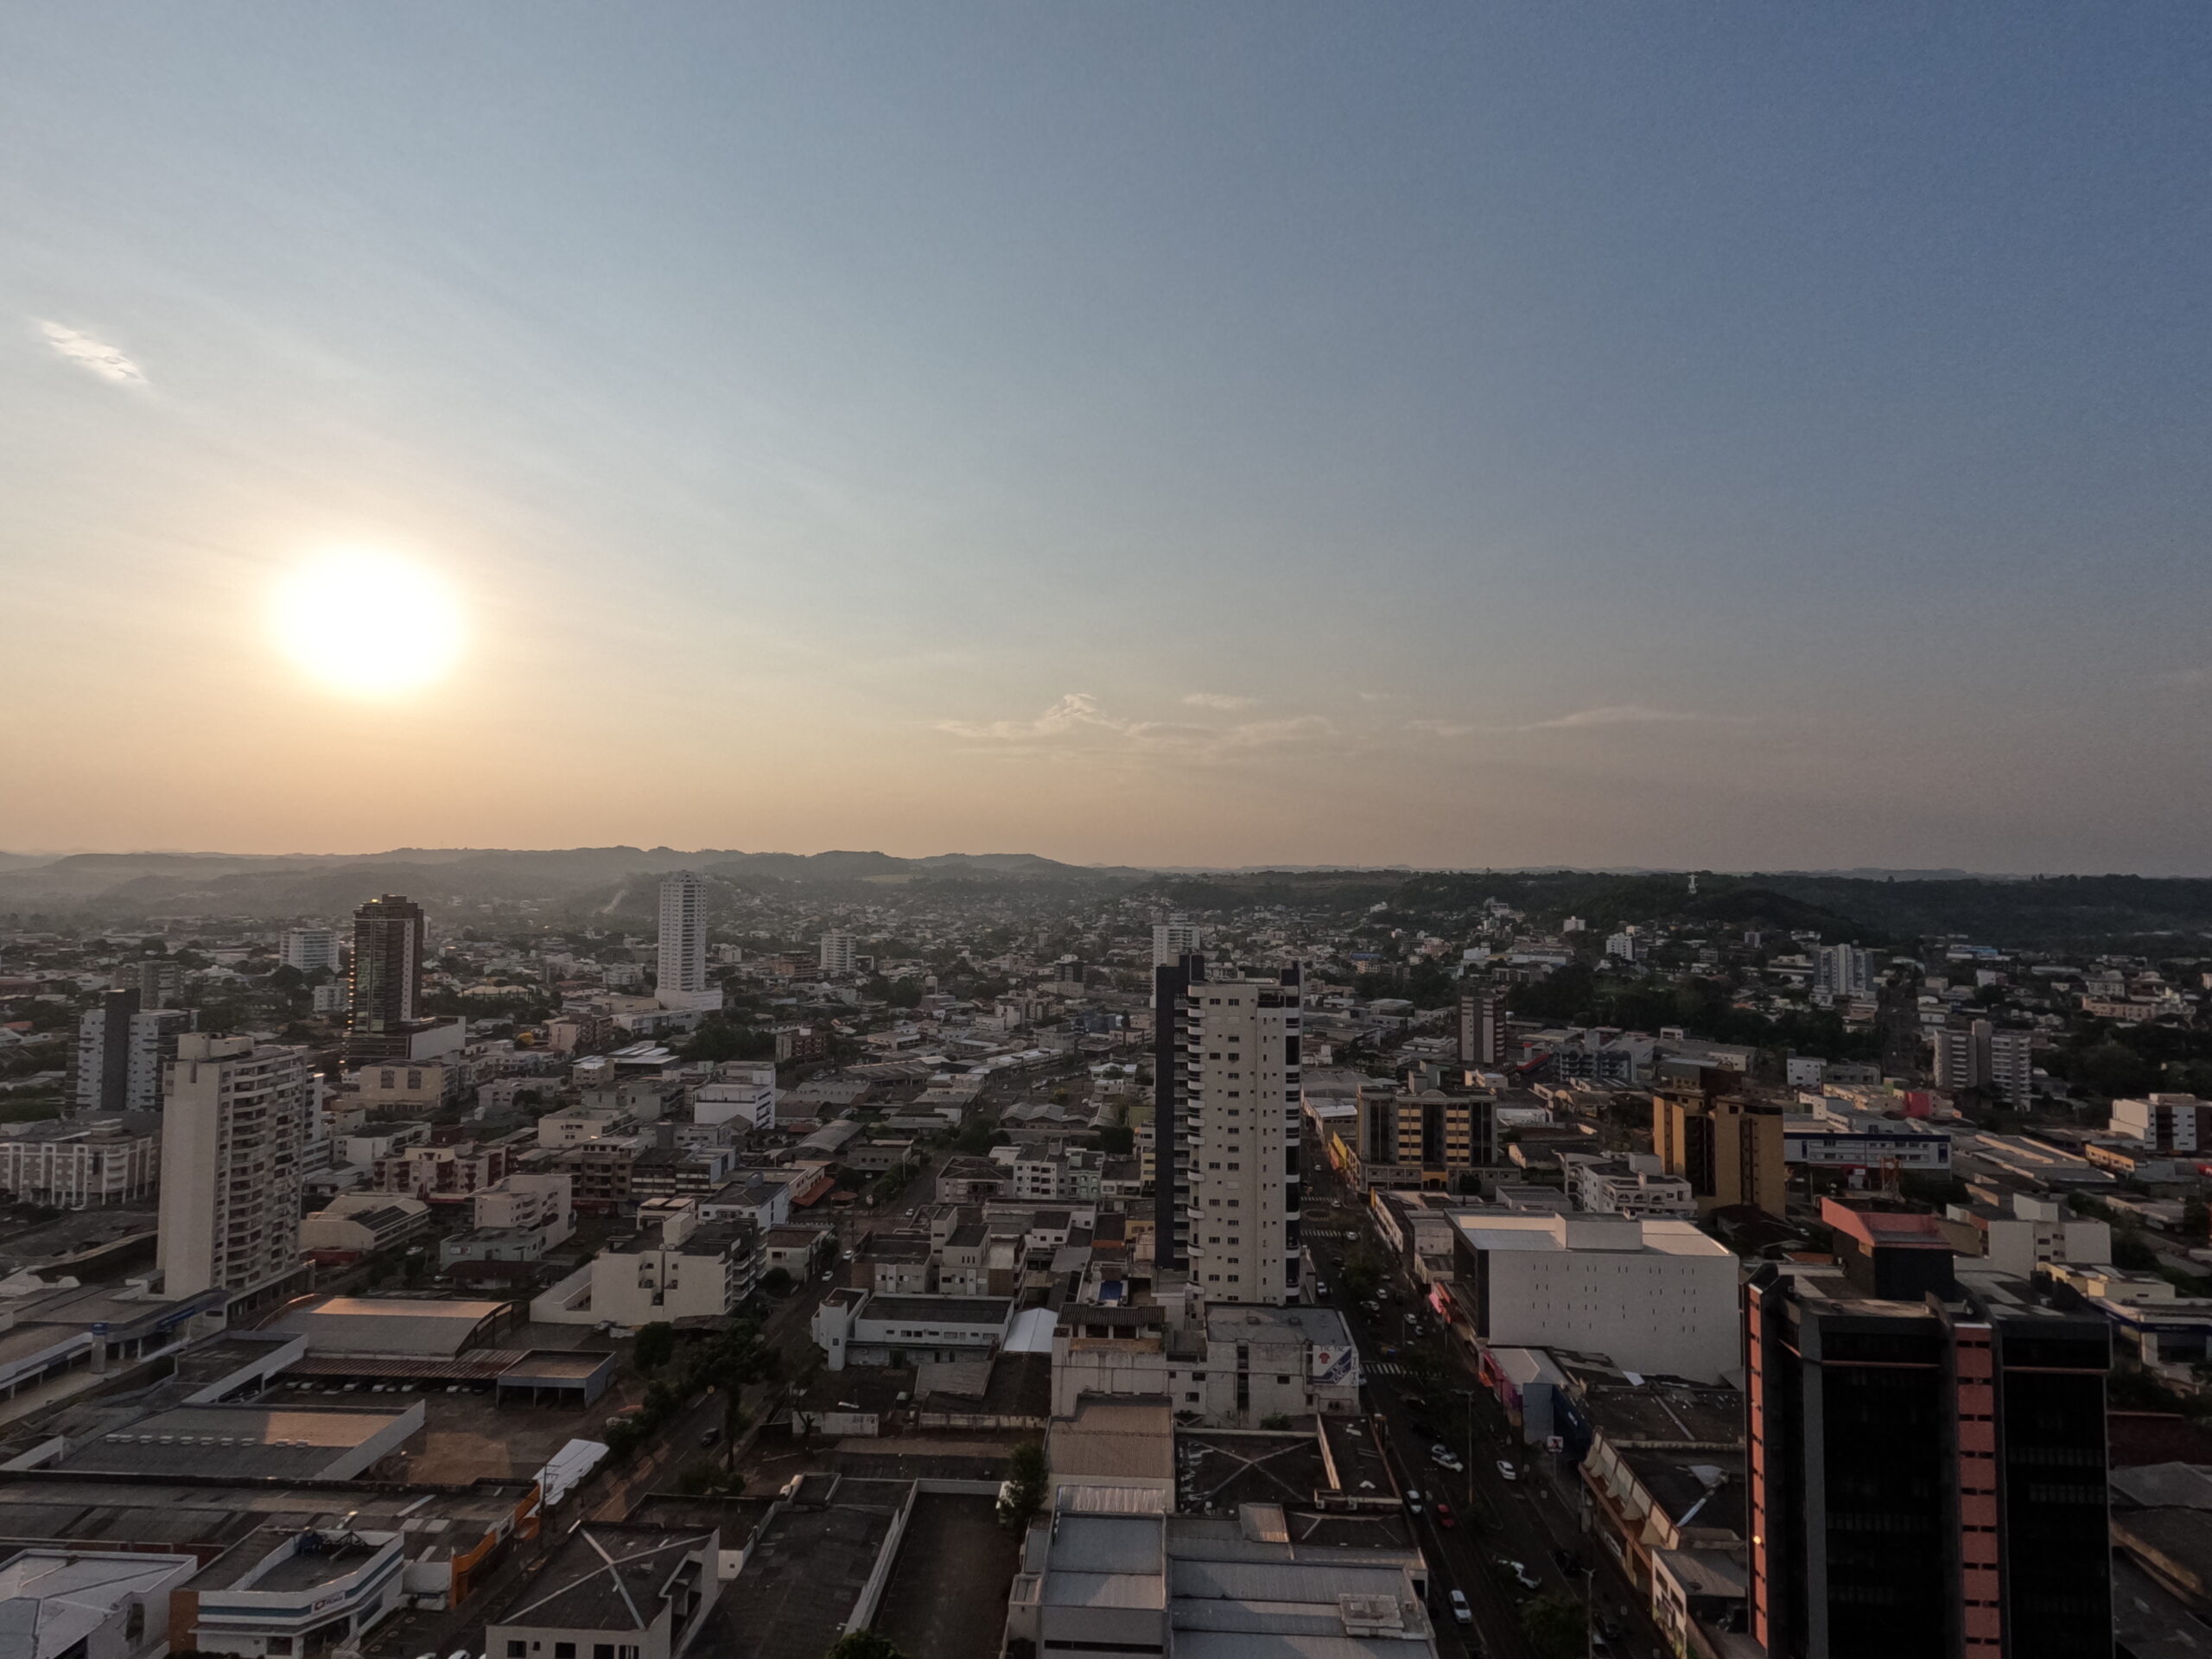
1720,437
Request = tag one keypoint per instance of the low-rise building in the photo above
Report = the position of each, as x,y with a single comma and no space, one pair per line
859,1327
355,1224
82,1163
611,1592
1658,1296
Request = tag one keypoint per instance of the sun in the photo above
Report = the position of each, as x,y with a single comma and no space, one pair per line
367,623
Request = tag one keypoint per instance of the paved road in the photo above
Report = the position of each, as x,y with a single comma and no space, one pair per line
1525,1519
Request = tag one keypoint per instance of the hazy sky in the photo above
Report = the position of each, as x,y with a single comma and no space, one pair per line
1707,434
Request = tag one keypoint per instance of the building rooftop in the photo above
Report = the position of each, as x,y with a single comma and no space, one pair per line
607,1577
244,1442
363,1325
940,1310
1216,1473
1123,1437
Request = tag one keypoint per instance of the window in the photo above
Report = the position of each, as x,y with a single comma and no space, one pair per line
565,1650
602,1650
516,1648
277,1644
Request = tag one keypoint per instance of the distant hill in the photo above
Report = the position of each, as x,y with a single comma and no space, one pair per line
1892,907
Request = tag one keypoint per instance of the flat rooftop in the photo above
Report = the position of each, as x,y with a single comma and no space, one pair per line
940,1310
807,1570
365,1324
605,1577
247,1442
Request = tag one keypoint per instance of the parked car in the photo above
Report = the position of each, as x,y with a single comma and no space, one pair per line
1445,1518
1461,1613
1413,1503
1444,1457
1506,1471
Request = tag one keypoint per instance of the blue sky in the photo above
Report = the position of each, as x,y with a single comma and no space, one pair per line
1714,435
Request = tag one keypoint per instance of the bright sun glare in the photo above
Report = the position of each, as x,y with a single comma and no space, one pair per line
368,623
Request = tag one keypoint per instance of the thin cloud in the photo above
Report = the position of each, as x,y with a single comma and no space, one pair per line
1219,699
94,356
1078,724
1614,713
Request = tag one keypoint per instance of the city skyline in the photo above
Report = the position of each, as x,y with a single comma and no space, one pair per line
1713,440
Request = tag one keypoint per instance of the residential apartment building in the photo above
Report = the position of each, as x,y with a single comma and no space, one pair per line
122,1052
385,977
81,1163
537,1201
1842,970
682,982
1927,1458
232,1133
678,1267
2165,1122
1429,1140
741,1090
1728,1147
309,950
435,1174
1979,1055
1482,1027
1235,1119
1633,1185
837,951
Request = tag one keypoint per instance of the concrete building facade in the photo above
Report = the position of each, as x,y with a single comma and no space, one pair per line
233,1135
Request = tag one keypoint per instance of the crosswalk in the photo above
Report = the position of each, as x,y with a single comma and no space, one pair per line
1386,1368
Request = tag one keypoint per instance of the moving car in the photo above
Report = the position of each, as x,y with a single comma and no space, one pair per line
1506,1471
1445,1518
1461,1613
1445,1457
1520,1574
1413,1503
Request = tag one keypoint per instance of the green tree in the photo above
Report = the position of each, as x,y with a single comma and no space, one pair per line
1117,1140
718,1039
656,1345
1553,1625
776,1282
1026,1475
863,1644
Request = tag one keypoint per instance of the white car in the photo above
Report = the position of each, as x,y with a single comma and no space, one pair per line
1520,1574
1413,1503
1444,1457
1461,1613
1506,1471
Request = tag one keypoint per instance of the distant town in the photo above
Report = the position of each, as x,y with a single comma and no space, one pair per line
615,1255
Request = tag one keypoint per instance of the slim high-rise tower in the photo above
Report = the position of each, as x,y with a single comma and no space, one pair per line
682,976
1234,1131
232,1135
386,984
1482,1027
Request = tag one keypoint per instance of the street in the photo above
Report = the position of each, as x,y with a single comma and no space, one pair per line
1525,1520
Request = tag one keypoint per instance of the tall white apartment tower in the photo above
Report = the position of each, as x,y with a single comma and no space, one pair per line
683,983
1843,970
1237,1129
233,1129
1172,940
310,948
837,952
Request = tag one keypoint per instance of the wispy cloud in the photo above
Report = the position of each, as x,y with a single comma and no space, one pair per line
1218,700
1614,714
94,356
1078,724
